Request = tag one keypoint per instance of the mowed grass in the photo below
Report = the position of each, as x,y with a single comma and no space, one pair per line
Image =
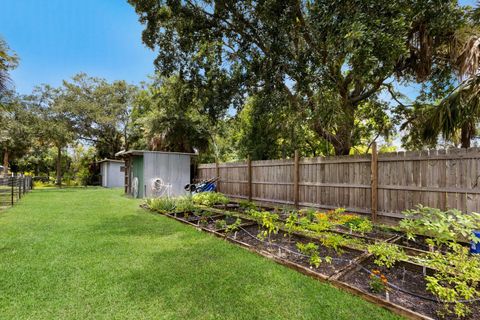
94,254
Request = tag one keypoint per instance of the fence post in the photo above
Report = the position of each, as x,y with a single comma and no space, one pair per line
217,173
19,188
374,182
296,176
249,178
13,191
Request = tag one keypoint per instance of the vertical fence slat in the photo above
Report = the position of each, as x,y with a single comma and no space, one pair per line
374,182
296,177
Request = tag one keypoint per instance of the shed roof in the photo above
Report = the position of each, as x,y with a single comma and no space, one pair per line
111,160
141,152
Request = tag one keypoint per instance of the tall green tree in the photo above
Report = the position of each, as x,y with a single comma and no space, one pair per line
174,119
16,128
455,116
327,58
100,112
8,61
54,128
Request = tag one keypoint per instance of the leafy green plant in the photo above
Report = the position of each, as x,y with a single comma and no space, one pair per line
247,205
334,241
162,205
359,224
335,215
220,224
210,198
269,224
309,213
311,250
185,204
233,227
377,282
442,226
456,278
386,254
291,223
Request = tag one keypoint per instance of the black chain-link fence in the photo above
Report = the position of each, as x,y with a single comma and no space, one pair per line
13,189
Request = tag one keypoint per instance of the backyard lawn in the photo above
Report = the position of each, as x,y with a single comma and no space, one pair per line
94,254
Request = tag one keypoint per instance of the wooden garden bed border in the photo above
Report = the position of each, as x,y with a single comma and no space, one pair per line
333,279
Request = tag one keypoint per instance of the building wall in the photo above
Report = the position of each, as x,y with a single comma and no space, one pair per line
172,169
116,178
112,176
137,172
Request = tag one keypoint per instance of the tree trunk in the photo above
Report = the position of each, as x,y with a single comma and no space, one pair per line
342,139
5,162
59,166
467,133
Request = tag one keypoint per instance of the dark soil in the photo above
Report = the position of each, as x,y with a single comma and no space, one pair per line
412,281
281,239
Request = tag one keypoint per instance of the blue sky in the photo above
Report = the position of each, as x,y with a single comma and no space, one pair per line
56,39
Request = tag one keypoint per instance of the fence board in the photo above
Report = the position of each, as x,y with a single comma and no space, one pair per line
436,178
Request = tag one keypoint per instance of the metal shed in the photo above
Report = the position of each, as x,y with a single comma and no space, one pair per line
156,173
112,173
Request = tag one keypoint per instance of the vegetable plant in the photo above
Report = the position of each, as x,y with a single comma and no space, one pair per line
247,205
377,282
311,250
268,222
162,205
291,222
456,279
442,226
233,227
359,224
334,241
386,254
210,198
184,204
220,224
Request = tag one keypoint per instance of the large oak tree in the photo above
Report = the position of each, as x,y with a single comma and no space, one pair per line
327,58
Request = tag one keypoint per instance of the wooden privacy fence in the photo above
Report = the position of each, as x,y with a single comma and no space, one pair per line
383,184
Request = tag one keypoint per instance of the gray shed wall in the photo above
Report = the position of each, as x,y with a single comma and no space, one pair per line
173,169
112,177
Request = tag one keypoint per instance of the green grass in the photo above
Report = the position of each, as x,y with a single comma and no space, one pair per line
94,254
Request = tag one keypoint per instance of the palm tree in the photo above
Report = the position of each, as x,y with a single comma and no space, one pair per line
457,115
8,61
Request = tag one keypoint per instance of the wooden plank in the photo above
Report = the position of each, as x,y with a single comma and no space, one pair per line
296,179
249,178
374,182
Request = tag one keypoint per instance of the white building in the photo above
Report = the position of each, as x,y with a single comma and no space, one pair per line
113,173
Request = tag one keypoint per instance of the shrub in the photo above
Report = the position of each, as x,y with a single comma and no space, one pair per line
386,254
210,198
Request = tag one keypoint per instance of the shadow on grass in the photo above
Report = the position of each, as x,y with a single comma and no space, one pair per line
140,224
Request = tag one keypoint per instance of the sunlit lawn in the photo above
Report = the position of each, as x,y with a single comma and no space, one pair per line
94,254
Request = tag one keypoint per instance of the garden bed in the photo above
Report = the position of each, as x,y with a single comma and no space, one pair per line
284,246
343,249
407,287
